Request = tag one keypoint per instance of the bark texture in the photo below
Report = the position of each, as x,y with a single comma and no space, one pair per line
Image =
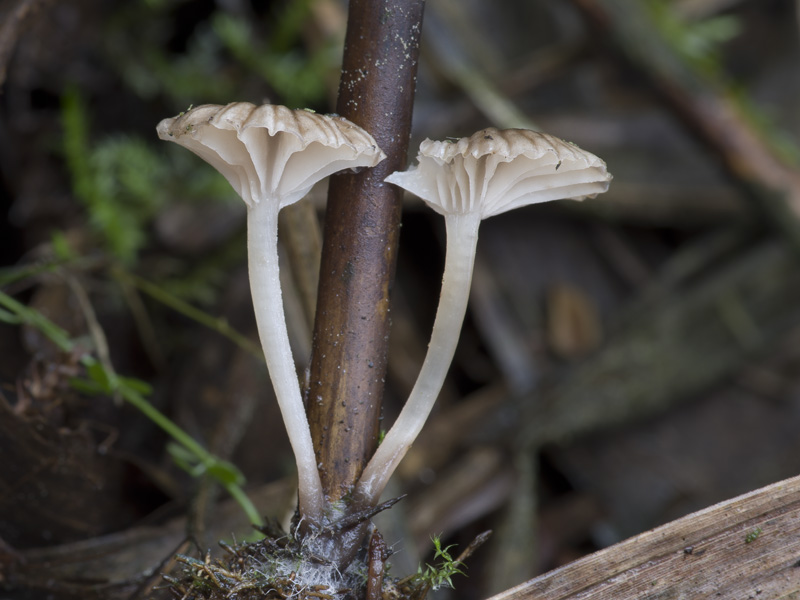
361,231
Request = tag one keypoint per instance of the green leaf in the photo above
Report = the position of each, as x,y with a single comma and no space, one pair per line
137,385
9,317
87,386
226,473
185,459
32,317
61,247
98,374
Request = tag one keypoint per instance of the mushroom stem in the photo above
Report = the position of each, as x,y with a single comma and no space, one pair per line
462,240
262,251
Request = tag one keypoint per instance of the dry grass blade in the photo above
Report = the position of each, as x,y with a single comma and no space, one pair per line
746,547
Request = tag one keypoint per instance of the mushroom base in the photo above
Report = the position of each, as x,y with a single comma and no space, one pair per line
279,567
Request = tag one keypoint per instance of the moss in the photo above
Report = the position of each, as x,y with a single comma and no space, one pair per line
280,566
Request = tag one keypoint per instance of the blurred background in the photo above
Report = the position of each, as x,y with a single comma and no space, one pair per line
625,360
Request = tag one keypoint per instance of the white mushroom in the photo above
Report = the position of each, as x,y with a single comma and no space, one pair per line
489,173
272,156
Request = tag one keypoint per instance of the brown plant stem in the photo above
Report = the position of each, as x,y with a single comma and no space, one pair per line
377,555
361,231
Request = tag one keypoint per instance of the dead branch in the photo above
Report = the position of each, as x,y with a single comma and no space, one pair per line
747,547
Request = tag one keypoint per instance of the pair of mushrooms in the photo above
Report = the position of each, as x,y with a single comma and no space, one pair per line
273,155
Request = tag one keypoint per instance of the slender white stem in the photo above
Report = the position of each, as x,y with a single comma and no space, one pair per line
262,251
462,240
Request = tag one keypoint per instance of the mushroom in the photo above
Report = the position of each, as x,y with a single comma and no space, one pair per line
272,156
489,173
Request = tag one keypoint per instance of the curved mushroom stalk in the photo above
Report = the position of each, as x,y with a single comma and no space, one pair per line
489,173
272,156
462,241
264,272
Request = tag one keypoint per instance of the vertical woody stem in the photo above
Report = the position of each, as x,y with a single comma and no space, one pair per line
351,332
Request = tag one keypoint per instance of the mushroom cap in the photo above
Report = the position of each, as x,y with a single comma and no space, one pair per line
271,152
494,171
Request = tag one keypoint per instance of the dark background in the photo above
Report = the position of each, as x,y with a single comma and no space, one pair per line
625,361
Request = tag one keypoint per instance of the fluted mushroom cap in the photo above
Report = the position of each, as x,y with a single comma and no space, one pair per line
271,151
494,171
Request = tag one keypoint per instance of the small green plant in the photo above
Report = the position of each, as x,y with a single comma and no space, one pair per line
123,182
698,45
100,379
220,52
439,574
300,80
117,181
697,42
752,536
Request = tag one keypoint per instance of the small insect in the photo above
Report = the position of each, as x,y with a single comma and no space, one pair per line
753,535
558,165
